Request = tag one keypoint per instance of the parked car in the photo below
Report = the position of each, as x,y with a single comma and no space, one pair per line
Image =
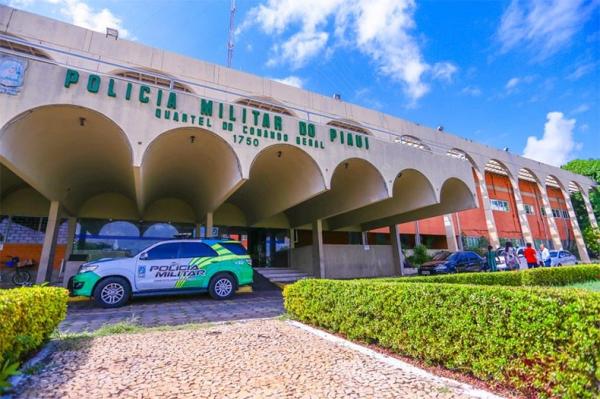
218,267
453,262
560,258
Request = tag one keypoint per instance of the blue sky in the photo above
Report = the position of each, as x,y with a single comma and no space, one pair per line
517,74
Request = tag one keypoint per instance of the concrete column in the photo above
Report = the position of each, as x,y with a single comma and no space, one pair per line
197,230
450,233
292,233
554,234
525,229
396,250
417,233
487,210
364,238
317,249
583,255
71,228
209,224
48,249
590,210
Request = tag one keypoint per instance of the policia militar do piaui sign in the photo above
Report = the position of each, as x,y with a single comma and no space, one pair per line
254,125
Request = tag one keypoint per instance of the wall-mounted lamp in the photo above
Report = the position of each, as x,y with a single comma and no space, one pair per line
279,154
81,121
192,139
346,165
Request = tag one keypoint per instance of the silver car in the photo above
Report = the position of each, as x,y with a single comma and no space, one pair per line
560,258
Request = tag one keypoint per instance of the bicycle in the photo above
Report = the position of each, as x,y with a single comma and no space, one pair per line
19,276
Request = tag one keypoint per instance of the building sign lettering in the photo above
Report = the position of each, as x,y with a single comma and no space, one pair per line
247,126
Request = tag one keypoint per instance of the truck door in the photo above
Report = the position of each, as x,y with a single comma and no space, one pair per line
158,267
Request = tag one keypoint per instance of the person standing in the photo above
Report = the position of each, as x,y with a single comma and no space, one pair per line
545,255
491,259
530,256
510,257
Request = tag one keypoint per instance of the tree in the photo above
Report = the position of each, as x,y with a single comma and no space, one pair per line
591,169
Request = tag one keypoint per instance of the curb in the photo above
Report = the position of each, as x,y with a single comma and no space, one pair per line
16,380
396,363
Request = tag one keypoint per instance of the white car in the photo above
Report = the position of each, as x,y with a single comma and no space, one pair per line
562,257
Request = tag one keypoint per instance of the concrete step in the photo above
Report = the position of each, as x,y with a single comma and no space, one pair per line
281,274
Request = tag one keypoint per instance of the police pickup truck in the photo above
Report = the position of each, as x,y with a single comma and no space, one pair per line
218,267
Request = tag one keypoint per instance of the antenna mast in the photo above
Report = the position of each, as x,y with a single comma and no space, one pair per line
230,43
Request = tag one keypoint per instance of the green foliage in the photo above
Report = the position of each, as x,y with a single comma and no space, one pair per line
586,167
591,237
544,342
28,316
591,169
7,370
419,256
543,276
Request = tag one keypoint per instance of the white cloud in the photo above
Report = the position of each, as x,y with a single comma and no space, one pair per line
580,109
557,145
471,91
582,70
81,14
542,26
513,83
294,81
380,29
444,71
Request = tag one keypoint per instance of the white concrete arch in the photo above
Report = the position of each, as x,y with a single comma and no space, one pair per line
190,163
68,153
528,174
355,182
152,77
411,190
460,154
280,177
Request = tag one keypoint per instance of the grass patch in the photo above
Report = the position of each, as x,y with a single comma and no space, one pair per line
77,341
590,286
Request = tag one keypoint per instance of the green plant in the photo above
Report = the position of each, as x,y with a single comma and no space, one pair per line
27,318
591,236
8,370
544,276
544,342
420,255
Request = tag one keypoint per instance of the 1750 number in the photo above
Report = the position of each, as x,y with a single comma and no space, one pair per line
244,139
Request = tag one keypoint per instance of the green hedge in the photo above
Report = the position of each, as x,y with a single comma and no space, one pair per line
540,341
27,317
543,276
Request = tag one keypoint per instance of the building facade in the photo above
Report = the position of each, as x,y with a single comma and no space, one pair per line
107,144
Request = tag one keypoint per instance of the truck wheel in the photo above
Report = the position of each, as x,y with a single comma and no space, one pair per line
112,292
222,286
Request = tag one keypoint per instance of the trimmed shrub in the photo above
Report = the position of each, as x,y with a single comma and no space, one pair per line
543,342
27,318
543,276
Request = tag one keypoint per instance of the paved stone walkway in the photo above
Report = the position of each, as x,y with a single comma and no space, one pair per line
265,301
254,359
151,312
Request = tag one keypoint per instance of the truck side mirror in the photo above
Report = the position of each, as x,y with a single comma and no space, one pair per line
144,256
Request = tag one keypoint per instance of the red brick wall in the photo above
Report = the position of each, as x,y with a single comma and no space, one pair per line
507,223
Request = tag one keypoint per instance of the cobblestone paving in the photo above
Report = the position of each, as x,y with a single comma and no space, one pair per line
254,359
151,312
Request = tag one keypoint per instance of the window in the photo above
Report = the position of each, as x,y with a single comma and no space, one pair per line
234,247
543,211
565,214
163,251
155,80
195,250
556,213
499,205
529,210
